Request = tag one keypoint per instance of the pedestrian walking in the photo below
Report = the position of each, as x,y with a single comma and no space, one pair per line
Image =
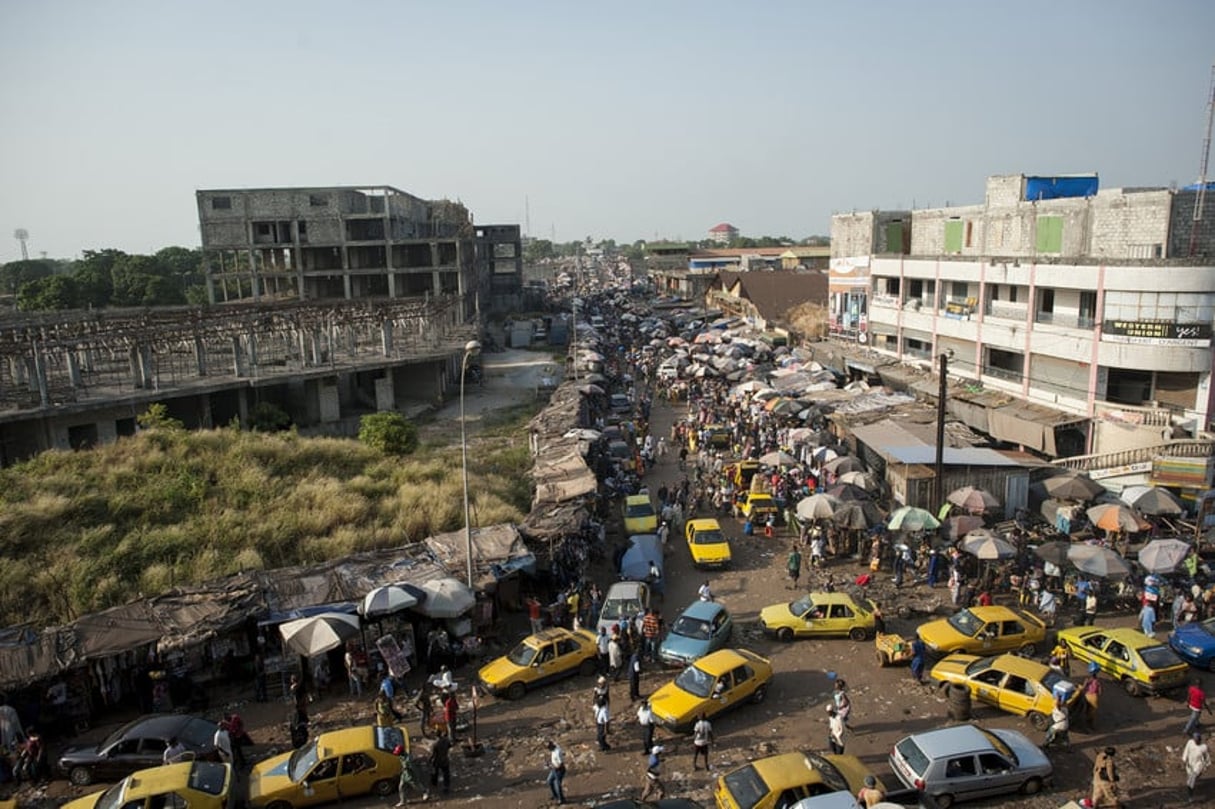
440,763
602,690
451,710
842,703
383,711
645,718
1090,607
615,655
635,676
919,658
1092,696
1057,732
601,643
409,777
1105,780
1196,699
835,730
651,782
223,743
556,771
649,631
354,676
1147,619
704,593
702,737
793,567
1196,757
602,718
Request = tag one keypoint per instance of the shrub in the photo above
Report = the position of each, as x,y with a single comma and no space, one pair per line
269,418
390,433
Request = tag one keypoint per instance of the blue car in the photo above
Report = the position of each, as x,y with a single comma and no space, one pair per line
702,628
1195,643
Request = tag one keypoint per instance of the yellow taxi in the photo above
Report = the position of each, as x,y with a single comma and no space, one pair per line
193,784
1143,665
1011,683
707,543
779,781
742,472
985,631
756,506
639,515
818,615
716,683
334,766
539,659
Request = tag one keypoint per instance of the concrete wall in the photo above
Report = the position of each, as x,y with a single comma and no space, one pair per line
1181,223
1134,225
852,234
1004,190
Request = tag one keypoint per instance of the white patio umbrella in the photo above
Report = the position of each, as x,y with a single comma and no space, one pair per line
778,458
1163,555
446,598
387,600
982,544
320,633
817,507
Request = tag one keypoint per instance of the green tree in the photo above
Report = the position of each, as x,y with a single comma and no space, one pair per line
157,417
93,276
144,281
48,294
390,433
538,250
16,273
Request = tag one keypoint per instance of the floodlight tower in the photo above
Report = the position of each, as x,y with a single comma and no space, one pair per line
22,235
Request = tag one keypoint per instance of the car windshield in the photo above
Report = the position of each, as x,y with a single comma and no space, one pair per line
831,776
999,746
522,655
208,777
119,734
746,787
301,762
387,738
967,623
1159,657
710,537
979,666
617,608
801,606
696,682
695,628
640,510
112,797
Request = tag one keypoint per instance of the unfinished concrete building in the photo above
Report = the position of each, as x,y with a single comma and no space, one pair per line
500,265
339,242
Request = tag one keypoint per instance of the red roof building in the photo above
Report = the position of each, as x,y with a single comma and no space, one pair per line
723,233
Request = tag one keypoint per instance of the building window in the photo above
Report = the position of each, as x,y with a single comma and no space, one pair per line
953,236
1004,364
221,203
1050,234
1046,305
1012,294
957,290
318,200
1088,309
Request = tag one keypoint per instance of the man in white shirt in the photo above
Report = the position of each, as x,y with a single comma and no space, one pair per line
175,752
704,592
702,737
602,717
223,743
645,718
556,771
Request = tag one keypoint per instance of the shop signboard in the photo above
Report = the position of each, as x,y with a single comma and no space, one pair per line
1157,332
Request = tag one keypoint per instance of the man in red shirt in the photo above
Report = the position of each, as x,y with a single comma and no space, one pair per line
649,631
1196,699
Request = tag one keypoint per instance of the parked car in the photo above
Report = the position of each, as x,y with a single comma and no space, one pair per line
619,403
334,766
965,762
1011,683
712,685
707,543
193,784
639,515
1143,665
702,628
1194,642
539,659
985,631
756,506
624,599
137,745
779,781
819,615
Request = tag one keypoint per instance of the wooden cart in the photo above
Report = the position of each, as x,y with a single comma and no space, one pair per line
892,649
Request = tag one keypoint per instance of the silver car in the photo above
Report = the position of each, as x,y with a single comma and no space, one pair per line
965,762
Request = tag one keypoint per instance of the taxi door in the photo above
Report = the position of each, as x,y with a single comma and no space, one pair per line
546,666
359,773
321,784
989,635
1018,695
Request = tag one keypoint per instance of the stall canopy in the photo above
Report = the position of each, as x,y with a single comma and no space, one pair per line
498,551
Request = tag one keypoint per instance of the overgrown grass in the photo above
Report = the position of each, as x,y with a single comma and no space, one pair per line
80,531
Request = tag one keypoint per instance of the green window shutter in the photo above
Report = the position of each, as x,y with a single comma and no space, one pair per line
1050,234
894,237
953,236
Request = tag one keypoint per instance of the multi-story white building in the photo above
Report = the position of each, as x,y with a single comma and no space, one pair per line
1089,302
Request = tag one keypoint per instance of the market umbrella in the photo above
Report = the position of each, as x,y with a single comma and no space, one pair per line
825,454
385,600
1098,561
446,598
786,407
751,386
982,544
848,492
910,518
972,499
1054,552
801,434
590,390
1116,517
862,479
1163,555
958,527
1157,501
778,458
818,507
320,633
583,434
844,464
1072,487
860,515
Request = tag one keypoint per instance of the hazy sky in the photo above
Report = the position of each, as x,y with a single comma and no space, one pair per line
622,120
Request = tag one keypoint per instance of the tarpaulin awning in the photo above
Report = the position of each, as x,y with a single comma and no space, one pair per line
498,550
1030,425
562,478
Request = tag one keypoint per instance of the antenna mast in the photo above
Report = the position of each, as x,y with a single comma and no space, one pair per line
1202,170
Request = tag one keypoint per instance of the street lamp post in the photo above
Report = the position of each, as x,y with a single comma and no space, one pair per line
470,348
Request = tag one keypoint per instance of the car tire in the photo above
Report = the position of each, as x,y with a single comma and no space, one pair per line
1028,650
80,776
760,693
384,787
944,801
1032,787
517,690
586,668
784,635
1131,687
883,660
1039,720
857,633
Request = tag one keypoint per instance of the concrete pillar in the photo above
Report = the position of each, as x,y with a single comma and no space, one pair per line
242,406
385,398
317,355
386,338
238,359
73,365
301,338
44,394
436,282
392,282
251,343
346,285
147,372
206,419
329,400
17,367
200,356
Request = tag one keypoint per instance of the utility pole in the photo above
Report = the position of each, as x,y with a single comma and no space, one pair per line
938,481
